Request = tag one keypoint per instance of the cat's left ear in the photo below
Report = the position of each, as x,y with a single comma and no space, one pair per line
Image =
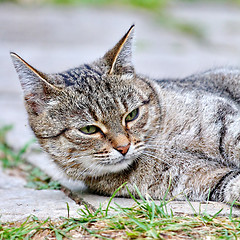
36,86
119,58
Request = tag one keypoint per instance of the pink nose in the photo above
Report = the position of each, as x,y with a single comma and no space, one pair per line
123,149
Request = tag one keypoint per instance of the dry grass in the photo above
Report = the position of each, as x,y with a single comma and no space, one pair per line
124,227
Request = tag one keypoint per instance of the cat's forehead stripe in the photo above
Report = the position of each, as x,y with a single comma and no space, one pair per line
79,75
92,69
121,106
68,81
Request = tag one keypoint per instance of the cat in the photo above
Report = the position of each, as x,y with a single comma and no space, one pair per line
104,124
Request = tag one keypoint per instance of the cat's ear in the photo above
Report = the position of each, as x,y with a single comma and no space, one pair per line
35,84
119,58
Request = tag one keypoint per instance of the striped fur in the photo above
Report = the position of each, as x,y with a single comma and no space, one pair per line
184,130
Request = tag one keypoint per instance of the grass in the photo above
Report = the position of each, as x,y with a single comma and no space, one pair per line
8,157
144,4
37,179
14,159
145,220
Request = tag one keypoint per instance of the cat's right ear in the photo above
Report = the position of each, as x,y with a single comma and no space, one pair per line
119,58
35,84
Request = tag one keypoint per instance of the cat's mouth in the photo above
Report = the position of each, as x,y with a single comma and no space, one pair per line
117,164
116,161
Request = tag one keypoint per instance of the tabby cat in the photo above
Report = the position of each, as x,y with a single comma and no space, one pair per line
103,124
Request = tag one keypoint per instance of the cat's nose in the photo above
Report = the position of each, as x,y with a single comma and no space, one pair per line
123,149
121,143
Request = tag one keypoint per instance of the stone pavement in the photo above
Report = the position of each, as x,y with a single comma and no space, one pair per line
18,202
56,38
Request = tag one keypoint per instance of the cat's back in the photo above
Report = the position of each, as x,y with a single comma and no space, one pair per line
222,82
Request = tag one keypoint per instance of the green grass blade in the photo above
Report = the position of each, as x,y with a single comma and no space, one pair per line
111,198
58,235
88,211
217,213
68,210
139,194
140,224
132,196
25,147
194,210
168,189
231,210
153,211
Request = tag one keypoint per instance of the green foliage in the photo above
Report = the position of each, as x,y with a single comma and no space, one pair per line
9,157
12,158
13,1
12,232
152,5
145,4
37,179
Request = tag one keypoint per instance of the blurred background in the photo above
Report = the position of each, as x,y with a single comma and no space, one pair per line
173,39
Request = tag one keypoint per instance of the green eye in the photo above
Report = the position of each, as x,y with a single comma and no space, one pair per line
91,129
132,115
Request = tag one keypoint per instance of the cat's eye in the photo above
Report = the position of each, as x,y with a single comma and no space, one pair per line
90,129
132,115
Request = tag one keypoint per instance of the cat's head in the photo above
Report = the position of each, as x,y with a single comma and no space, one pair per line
94,119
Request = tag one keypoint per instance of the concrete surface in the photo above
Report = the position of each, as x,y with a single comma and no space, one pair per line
17,202
56,38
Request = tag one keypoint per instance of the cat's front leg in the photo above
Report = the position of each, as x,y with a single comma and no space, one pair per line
229,145
228,188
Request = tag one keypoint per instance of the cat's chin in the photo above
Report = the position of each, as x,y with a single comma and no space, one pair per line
113,166
116,166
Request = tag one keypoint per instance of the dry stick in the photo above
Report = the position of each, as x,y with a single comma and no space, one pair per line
76,198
